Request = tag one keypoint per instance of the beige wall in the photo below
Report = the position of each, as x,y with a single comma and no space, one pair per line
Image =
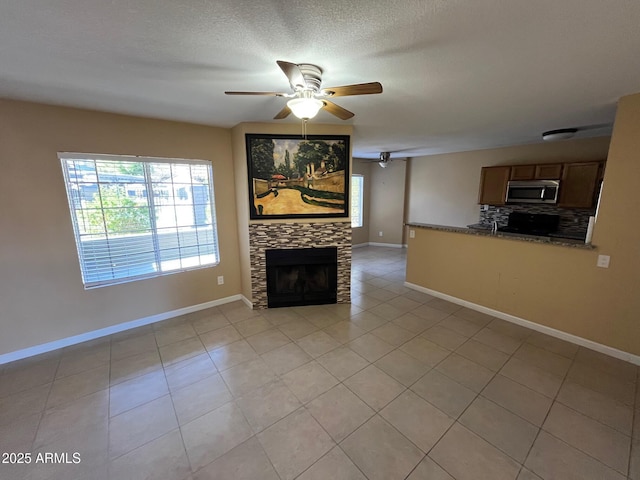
360,235
558,287
443,189
42,298
242,187
386,202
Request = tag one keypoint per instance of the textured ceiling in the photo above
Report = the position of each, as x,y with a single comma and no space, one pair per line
457,74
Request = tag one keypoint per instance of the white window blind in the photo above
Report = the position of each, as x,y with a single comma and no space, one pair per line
357,186
137,217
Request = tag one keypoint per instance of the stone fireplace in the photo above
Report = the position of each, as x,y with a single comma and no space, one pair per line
283,236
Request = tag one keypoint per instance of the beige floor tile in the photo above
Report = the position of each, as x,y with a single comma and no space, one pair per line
483,354
133,346
280,316
374,387
286,358
532,377
247,376
429,313
140,425
23,404
339,411
232,354
597,406
131,333
413,323
466,456
212,322
166,335
163,458
386,310
380,451
447,395
322,318
268,340
510,329
137,391
596,379
634,463
501,428
309,381
212,435
317,343
77,361
247,461
612,366
461,325
199,398
298,328
475,316
420,297
294,443
252,326
465,372
444,337
267,404
553,459
342,362
370,347
427,469
543,359
67,389
518,399
344,332
335,465
403,303
189,371
527,475
182,350
220,337
552,344
425,351
18,435
368,320
383,295
589,436
497,340
393,334
402,367
134,366
416,419
239,313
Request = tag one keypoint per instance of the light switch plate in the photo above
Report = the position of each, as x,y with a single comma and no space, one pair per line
220,280
603,261
412,234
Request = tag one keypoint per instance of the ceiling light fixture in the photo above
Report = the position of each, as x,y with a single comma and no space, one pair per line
384,159
383,164
559,134
305,106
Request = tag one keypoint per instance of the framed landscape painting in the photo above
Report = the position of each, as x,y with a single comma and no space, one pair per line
298,177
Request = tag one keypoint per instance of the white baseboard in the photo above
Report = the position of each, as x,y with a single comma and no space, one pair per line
360,245
247,302
392,245
583,342
121,327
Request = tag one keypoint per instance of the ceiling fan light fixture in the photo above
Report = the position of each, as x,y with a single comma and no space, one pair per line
559,134
382,164
305,108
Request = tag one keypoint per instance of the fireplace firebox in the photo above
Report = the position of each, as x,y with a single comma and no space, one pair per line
301,276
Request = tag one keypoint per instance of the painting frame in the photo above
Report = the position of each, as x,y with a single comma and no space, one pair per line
295,176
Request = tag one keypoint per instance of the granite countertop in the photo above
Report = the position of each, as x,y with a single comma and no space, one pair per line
485,232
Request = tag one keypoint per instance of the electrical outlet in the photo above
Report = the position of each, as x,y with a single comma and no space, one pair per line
603,261
380,233
220,280
412,234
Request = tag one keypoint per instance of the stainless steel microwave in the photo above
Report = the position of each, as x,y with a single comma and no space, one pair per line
533,191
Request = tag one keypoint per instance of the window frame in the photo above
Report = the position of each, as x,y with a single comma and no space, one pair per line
153,228
360,199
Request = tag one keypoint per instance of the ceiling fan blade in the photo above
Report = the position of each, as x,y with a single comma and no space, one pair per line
337,110
284,113
356,89
293,73
273,94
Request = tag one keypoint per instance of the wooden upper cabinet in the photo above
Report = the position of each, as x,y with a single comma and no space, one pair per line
522,172
551,171
579,183
493,185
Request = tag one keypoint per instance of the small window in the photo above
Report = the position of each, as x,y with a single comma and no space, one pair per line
136,217
357,182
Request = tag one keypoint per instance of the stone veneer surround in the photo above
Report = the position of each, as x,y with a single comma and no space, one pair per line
264,236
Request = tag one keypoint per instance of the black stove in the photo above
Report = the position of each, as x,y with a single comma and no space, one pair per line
531,224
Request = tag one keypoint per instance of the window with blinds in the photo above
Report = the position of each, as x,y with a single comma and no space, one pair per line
357,186
136,217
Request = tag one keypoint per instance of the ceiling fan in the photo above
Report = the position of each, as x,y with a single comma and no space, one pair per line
384,159
308,97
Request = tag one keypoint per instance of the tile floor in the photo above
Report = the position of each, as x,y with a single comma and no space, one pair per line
397,385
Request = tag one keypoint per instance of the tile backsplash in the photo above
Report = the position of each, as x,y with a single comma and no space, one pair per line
573,221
